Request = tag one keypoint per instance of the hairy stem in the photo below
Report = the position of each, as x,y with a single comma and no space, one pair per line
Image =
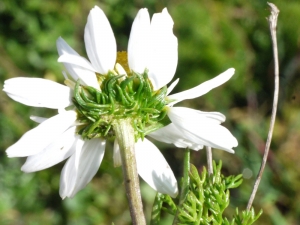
272,19
125,137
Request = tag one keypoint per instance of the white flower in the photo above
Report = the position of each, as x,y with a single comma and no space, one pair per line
152,46
55,139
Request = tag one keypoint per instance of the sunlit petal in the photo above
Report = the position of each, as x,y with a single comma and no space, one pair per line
138,44
69,172
154,169
35,140
81,167
57,151
38,92
100,42
38,119
76,60
207,131
77,66
163,51
202,88
197,116
172,86
172,135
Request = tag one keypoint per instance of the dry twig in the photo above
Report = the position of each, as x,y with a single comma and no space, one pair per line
272,19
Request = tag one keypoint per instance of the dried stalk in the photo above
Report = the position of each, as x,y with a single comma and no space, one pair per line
272,19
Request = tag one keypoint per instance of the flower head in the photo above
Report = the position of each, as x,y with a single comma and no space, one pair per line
104,89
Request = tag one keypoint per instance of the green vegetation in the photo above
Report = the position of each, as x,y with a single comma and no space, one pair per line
213,36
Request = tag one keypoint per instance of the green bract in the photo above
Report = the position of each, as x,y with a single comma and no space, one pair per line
120,97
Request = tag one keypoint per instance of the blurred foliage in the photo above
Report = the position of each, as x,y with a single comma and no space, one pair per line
213,36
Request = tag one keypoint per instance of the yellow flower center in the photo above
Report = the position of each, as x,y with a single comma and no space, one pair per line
122,60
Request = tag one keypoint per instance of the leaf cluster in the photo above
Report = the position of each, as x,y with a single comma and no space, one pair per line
206,200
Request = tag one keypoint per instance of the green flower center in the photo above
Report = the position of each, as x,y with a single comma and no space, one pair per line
120,97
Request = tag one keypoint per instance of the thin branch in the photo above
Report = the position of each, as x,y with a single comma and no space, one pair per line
209,160
272,19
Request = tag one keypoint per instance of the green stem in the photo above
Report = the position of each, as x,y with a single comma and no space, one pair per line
156,209
125,137
185,183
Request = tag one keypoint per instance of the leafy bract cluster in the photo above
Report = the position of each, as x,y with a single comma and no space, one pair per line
120,97
205,200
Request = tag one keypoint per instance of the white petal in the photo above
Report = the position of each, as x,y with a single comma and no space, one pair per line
53,154
197,116
202,88
163,50
69,172
76,60
35,140
81,167
38,119
172,135
77,66
205,131
38,92
172,86
138,45
154,169
117,155
74,65
63,47
100,42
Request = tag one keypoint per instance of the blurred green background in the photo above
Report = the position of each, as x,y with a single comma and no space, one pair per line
213,36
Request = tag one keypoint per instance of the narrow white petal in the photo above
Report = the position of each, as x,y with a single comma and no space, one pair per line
172,135
163,50
197,116
86,164
100,42
57,151
35,140
117,155
70,171
205,131
138,44
202,88
172,86
154,169
213,135
38,119
38,92
90,159
77,66
63,47
76,60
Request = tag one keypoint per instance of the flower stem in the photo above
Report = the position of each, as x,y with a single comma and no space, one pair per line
125,137
185,184
209,160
